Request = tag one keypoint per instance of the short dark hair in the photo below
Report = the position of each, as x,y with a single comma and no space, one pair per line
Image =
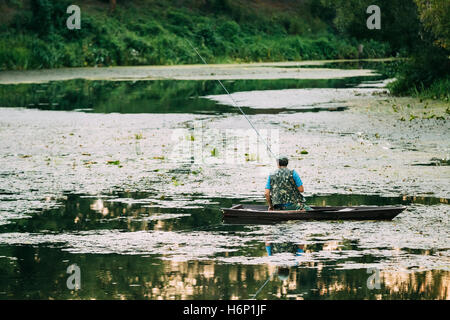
283,162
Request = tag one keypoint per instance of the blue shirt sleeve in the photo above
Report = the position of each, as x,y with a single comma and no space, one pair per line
268,183
297,179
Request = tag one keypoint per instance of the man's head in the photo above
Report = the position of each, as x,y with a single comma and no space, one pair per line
283,273
282,161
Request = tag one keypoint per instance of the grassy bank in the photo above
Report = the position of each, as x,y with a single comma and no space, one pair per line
154,33
33,35
425,75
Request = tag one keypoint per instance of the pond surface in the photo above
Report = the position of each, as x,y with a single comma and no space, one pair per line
127,180
158,96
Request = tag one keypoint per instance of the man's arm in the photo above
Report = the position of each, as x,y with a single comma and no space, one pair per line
269,201
298,181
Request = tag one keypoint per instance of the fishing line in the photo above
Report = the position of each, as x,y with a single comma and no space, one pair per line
251,124
262,287
234,102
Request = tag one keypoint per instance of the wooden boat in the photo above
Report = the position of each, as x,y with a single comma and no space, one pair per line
260,213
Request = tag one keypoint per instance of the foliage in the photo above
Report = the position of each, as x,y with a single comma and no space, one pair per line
399,21
223,31
416,28
435,16
147,32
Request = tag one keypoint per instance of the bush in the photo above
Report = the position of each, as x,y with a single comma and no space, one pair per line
132,36
229,30
424,69
375,49
42,21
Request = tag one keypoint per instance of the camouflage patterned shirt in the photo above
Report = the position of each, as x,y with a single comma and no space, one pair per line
283,189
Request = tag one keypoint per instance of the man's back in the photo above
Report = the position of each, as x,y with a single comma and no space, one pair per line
283,185
283,189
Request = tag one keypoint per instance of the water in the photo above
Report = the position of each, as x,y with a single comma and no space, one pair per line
158,96
89,176
128,248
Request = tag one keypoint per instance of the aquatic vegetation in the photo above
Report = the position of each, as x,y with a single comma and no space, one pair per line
175,182
153,221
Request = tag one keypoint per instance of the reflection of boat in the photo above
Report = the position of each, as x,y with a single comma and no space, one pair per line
260,213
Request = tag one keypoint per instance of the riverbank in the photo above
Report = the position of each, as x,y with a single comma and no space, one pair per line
270,70
149,33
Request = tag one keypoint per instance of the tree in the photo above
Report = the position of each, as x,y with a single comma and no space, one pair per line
399,21
435,17
112,5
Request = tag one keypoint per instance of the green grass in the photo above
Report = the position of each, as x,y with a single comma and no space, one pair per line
439,89
425,74
147,33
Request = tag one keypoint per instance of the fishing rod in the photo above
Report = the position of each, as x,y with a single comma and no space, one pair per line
262,287
235,104
251,124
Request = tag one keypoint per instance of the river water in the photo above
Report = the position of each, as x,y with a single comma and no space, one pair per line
126,179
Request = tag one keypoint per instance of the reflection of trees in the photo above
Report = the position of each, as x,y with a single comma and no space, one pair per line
156,96
351,284
79,213
40,273
316,280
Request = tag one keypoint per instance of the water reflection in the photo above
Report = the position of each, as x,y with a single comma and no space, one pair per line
29,272
157,252
305,279
158,96
141,211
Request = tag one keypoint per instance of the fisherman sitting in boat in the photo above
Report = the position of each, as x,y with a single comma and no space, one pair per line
284,188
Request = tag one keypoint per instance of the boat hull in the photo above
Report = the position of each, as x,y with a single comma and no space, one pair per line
260,213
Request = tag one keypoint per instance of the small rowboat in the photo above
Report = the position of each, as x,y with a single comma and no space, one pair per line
260,213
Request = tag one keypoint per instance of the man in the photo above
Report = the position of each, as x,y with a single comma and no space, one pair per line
284,188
